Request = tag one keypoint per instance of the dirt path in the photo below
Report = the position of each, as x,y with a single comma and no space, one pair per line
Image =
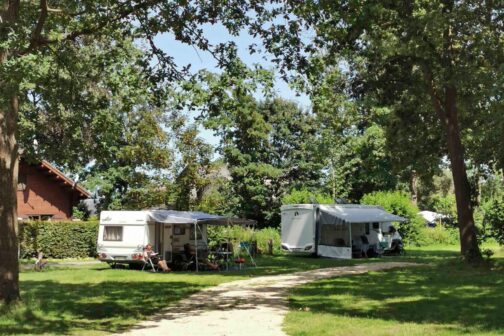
244,307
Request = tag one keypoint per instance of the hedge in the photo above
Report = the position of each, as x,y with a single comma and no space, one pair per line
58,239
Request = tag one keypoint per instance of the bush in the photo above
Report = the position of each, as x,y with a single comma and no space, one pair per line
237,234
58,239
304,196
493,219
399,203
438,235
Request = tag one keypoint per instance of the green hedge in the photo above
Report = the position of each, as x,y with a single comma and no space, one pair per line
58,239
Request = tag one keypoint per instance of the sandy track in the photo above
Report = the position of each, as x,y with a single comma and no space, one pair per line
245,307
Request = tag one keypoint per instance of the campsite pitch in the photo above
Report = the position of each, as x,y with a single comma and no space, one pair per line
244,307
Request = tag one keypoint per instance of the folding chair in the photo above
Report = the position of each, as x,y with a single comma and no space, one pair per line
246,246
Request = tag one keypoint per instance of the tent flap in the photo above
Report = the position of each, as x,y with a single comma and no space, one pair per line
333,214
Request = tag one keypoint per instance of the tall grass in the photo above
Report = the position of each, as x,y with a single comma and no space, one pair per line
237,234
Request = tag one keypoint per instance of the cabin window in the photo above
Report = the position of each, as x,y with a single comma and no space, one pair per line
376,226
40,218
22,179
113,233
367,228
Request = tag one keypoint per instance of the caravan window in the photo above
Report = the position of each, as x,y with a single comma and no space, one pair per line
113,233
367,228
198,232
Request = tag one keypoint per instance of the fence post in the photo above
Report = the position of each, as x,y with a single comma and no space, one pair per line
270,246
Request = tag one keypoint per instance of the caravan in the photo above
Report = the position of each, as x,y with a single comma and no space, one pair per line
123,235
337,231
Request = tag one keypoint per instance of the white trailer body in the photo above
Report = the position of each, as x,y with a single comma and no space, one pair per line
298,228
122,236
333,230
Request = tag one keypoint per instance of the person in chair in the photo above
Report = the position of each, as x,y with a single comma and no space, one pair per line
154,257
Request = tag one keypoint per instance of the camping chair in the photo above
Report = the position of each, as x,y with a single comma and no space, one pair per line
40,263
246,246
147,261
187,258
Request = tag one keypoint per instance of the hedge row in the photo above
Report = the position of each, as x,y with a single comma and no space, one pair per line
58,239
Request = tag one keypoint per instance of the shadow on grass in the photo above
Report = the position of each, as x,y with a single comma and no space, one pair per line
58,308
449,294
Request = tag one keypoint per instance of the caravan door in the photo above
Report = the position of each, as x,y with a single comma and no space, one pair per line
167,242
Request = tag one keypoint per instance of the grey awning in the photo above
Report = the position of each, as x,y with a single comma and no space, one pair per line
190,217
338,214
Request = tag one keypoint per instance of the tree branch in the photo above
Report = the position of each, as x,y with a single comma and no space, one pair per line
37,32
40,41
436,101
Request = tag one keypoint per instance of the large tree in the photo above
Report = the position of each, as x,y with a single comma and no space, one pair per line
448,52
43,34
270,146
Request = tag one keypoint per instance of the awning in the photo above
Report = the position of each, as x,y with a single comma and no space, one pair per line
191,217
338,214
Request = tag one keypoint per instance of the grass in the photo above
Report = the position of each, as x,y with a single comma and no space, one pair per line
445,298
95,299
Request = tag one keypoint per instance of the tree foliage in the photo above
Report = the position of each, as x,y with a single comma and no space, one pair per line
269,146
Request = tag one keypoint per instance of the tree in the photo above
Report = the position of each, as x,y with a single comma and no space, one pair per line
269,146
35,36
445,52
193,171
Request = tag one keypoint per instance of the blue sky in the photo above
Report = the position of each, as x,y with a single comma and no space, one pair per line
184,54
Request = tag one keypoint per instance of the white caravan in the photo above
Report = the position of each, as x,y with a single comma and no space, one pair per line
335,230
122,235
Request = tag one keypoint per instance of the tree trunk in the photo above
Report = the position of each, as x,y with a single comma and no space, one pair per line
468,242
9,266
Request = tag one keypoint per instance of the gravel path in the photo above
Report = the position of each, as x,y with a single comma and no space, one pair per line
245,307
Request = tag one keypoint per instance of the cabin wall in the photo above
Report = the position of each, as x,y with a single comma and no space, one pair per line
40,195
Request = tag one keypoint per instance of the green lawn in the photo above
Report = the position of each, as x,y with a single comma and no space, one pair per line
96,299
447,298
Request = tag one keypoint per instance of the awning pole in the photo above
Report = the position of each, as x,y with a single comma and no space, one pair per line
351,242
196,244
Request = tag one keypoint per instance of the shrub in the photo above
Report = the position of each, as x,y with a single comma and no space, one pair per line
58,239
237,234
494,218
399,203
305,196
438,235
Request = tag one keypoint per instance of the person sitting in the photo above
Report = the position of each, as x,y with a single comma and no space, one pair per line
364,246
202,257
396,244
154,257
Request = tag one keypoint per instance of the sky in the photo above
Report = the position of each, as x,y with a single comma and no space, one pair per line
185,54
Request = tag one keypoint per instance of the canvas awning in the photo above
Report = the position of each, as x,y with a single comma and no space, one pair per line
334,214
191,217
